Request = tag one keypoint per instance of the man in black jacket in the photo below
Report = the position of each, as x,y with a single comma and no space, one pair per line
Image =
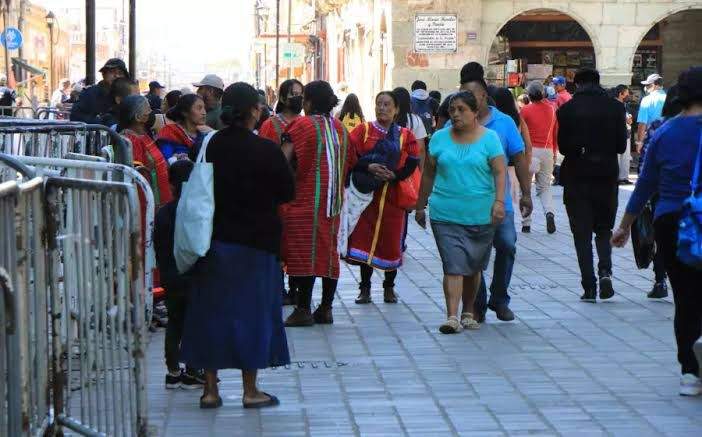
95,100
592,132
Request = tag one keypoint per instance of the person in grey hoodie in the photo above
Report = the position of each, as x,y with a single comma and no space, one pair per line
424,106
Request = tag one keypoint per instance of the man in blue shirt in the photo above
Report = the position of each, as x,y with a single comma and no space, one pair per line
505,241
651,108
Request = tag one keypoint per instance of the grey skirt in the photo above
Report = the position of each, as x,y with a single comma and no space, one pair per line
464,249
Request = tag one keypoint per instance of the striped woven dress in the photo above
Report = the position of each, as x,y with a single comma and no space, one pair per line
311,221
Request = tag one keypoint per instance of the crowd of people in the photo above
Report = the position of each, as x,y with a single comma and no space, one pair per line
300,187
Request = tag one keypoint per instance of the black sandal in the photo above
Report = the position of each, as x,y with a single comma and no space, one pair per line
271,402
210,405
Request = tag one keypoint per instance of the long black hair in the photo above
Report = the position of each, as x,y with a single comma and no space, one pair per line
352,108
184,105
404,106
504,102
283,92
320,95
238,101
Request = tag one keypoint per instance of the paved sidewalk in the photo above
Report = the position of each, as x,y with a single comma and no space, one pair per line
561,368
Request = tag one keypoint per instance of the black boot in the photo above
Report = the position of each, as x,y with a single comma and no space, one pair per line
323,315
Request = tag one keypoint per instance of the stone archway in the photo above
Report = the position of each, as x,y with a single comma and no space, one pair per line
496,16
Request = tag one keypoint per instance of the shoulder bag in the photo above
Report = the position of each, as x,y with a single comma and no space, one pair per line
690,231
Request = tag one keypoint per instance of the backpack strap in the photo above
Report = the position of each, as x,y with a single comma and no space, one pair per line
277,126
698,165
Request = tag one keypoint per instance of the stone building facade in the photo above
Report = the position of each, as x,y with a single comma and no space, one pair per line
616,28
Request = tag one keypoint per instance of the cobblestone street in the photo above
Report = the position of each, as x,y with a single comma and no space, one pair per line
561,368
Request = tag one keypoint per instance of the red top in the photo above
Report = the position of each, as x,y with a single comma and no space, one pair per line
274,127
146,154
562,98
541,120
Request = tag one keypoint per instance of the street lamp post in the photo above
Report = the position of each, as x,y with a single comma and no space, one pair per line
50,21
5,13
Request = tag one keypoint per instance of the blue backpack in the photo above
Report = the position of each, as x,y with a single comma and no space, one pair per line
423,109
690,232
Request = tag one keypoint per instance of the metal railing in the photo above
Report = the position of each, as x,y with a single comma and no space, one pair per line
55,138
94,170
71,286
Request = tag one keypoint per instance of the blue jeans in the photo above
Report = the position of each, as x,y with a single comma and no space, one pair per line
505,244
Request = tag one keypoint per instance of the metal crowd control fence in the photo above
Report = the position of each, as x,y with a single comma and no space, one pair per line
27,112
54,139
51,113
98,337
87,362
23,261
86,169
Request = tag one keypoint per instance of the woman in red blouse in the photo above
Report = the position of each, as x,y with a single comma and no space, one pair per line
378,238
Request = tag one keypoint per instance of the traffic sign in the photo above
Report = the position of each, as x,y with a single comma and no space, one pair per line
11,38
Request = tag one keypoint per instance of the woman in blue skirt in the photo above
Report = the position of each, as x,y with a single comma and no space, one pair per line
234,316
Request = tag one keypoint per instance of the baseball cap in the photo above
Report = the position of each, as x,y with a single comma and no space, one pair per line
558,80
155,84
115,64
651,79
211,80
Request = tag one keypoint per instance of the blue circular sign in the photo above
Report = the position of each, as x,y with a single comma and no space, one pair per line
11,38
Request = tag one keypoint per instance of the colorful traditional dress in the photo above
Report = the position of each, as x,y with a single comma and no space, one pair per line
173,140
146,154
311,221
378,237
274,127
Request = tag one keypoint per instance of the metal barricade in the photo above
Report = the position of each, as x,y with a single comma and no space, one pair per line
23,260
111,172
46,113
98,336
54,139
27,112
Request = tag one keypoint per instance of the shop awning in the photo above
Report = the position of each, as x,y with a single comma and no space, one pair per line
21,63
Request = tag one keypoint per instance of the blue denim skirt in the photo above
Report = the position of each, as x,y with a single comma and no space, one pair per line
464,249
234,315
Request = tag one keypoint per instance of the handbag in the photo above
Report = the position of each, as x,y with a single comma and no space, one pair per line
690,227
195,213
643,239
406,193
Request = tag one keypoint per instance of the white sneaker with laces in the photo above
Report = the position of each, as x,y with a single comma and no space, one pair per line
690,385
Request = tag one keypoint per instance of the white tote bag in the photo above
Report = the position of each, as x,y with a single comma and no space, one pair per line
195,213
355,203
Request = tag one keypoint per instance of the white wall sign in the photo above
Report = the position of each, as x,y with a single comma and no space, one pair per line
435,33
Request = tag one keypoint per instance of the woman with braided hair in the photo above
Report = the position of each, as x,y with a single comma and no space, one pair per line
318,146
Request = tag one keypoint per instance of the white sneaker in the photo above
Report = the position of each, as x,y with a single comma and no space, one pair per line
690,385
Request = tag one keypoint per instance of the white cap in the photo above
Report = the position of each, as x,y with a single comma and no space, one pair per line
211,80
651,79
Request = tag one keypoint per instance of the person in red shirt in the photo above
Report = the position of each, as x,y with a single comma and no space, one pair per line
562,94
288,109
540,118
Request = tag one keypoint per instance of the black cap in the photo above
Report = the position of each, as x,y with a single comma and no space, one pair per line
115,64
155,84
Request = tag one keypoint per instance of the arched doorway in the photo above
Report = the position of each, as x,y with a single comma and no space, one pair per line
537,45
669,47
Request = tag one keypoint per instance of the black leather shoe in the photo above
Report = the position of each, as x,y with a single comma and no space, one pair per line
606,290
659,291
364,297
589,296
550,223
480,318
503,312
526,229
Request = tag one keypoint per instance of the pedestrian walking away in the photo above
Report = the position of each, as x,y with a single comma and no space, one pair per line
651,107
540,117
592,132
234,314
318,146
465,174
387,154
671,157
